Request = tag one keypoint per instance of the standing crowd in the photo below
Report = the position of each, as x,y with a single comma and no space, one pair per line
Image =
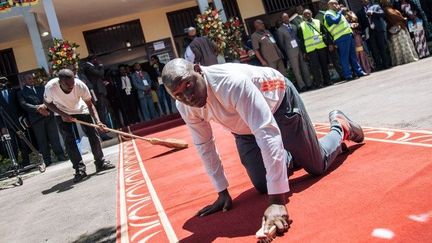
380,35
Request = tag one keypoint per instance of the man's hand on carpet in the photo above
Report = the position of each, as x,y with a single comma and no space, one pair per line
275,220
223,202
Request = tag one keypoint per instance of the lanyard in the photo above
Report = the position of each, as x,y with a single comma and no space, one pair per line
312,27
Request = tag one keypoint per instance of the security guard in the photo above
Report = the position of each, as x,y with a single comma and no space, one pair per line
341,32
312,42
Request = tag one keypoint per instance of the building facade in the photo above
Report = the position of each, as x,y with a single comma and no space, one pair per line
115,34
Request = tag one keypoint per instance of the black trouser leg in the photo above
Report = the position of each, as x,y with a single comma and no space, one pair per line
315,64
40,131
334,57
373,47
322,55
382,47
69,139
251,158
94,139
53,136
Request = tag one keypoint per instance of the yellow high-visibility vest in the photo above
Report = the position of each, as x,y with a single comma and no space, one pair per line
313,39
337,30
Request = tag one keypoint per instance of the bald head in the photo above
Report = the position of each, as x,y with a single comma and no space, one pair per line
285,18
174,71
307,14
183,83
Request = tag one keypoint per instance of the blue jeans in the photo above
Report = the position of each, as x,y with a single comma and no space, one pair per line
347,56
147,108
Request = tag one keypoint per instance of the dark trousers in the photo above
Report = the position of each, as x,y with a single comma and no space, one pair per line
334,58
299,139
378,45
129,108
46,133
102,107
319,63
66,129
164,97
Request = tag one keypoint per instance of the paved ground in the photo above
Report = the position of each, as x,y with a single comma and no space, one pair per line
400,97
50,208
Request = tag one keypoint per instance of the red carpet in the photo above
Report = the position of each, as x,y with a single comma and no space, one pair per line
382,189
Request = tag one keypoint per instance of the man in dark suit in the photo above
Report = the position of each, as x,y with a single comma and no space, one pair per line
289,42
373,26
127,96
10,108
41,120
95,74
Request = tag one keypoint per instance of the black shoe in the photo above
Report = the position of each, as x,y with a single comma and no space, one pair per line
349,78
106,165
79,175
352,131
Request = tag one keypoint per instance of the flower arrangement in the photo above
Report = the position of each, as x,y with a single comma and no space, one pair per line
234,29
210,25
63,54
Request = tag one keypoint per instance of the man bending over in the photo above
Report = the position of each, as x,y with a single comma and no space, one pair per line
70,99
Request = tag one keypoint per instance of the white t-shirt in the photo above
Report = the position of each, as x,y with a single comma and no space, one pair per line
242,98
72,103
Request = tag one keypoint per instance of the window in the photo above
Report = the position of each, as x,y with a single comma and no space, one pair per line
179,21
115,37
231,9
8,65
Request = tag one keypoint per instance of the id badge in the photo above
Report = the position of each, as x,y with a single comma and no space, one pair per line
272,40
294,43
316,39
145,82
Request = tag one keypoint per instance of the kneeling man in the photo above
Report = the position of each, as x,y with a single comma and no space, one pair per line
270,124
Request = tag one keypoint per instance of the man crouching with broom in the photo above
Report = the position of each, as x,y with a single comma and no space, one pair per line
70,99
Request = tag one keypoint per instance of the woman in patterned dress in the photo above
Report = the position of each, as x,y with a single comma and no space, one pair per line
410,11
401,47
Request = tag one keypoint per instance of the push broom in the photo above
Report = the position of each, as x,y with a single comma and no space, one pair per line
170,143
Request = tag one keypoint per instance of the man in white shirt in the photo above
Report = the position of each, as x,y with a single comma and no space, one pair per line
270,124
70,99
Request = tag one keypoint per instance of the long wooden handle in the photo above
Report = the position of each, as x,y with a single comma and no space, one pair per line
171,143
